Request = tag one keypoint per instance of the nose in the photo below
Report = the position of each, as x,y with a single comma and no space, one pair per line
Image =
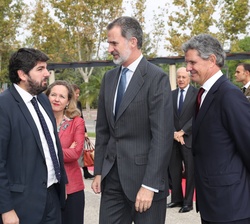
110,48
46,73
188,67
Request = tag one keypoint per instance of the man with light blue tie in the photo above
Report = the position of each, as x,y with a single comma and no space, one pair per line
134,132
184,98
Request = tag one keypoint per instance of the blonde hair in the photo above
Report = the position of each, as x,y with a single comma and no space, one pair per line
71,111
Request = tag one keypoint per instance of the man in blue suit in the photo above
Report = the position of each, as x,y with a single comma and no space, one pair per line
221,142
31,191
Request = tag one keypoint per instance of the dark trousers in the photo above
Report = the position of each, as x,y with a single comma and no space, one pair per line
52,213
73,213
243,221
116,208
181,153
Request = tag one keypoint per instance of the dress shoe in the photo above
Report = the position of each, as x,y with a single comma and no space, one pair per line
174,204
186,208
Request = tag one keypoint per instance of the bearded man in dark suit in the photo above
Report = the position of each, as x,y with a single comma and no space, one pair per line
32,189
134,139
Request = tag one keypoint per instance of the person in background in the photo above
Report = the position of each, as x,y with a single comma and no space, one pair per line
70,127
220,136
242,74
184,99
86,173
32,183
134,132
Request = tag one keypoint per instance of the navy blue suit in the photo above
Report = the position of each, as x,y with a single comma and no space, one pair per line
23,170
221,148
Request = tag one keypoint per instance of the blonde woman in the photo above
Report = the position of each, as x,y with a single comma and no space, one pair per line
70,127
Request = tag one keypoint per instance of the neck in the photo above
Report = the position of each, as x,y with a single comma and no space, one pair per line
59,117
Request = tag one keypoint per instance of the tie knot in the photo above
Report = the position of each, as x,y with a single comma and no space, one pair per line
182,90
124,71
201,91
34,101
244,89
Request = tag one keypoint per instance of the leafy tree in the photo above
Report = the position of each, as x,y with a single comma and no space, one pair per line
10,19
72,30
192,17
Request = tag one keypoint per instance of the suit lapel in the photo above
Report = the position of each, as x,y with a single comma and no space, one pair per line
188,97
26,113
206,104
133,88
113,83
175,97
247,92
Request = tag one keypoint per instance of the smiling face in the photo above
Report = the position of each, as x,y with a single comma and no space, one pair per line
183,78
58,98
200,69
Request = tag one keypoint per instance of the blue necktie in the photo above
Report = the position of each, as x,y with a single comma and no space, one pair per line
181,101
49,140
121,89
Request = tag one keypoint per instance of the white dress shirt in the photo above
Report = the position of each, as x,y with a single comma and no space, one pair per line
209,83
27,97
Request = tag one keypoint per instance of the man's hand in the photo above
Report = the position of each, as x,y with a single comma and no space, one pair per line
144,200
10,217
96,184
178,136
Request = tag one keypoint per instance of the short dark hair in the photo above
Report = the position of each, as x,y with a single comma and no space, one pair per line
245,66
24,59
130,27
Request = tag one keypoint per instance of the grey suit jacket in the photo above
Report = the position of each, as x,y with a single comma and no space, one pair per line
23,170
140,139
183,121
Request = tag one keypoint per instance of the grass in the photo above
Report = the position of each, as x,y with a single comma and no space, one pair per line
91,134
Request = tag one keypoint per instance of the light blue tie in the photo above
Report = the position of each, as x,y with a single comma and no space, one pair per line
181,101
121,89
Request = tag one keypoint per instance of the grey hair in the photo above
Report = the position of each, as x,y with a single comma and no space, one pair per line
130,27
206,45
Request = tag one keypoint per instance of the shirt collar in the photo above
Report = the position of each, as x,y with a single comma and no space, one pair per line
27,97
132,67
185,89
247,85
210,82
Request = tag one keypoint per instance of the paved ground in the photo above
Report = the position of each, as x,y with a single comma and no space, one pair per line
92,210
92,200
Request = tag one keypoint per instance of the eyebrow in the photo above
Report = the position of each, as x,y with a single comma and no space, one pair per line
112,42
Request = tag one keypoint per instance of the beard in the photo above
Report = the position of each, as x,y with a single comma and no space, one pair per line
34,88
122,57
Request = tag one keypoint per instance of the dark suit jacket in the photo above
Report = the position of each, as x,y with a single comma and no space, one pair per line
23,171
221,147
141,137
184,120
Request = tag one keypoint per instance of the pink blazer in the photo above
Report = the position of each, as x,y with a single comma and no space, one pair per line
70,131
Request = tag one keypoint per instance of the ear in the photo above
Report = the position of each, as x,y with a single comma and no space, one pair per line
21,75
212,59
133,41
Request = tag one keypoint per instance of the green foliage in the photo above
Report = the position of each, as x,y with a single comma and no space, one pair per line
198,16
10,20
